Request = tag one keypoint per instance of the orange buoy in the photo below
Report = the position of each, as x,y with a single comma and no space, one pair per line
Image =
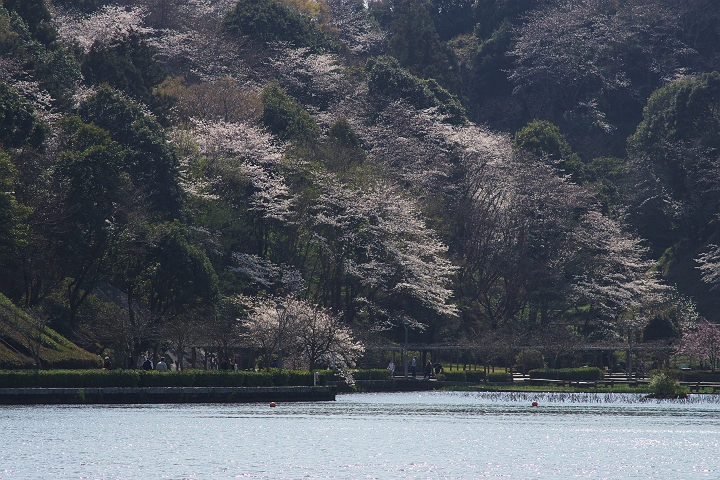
272,404
534,404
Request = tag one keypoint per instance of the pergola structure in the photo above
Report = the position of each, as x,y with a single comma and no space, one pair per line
457,350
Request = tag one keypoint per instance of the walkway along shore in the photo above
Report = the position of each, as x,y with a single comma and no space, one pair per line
130,395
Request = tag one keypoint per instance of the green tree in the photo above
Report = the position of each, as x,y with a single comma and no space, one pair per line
179,275
414,41
37,16
90,186
18,124
544,139
285,117
677,144
490,14
389,79
127,63
341,152
343,132
452,17
12,214
59,72
687,110
269,20
151,163
491,64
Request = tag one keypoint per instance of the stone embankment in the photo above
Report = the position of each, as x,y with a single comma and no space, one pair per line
129,395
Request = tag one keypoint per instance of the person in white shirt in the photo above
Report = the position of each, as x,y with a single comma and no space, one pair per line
391,367
162,366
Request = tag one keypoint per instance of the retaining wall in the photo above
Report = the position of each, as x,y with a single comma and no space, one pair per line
121,395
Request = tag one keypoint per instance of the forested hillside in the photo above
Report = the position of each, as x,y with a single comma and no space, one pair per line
302,179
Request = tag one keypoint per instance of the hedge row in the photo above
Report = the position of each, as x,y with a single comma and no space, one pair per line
684,376
499,377
584,373
372,374
475,376
141,378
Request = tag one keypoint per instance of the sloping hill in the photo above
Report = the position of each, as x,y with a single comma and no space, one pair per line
24,342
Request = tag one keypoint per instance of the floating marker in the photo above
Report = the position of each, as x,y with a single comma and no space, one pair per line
534,404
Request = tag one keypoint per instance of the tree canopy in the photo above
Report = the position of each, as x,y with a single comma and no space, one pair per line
492,172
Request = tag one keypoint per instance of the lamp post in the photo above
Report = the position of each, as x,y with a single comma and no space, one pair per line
406,322
281,311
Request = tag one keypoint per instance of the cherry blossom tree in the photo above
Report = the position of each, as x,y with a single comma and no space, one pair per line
532,245
110,23
287,325
322,336
702,343
710,266
376,240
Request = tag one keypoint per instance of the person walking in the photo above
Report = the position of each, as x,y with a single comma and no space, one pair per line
391,367
428,370
413,366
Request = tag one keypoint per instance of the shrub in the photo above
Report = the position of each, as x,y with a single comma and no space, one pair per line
299,377
453,376
279,377
664,385
699,376
69,379
475,376
219,378
331,375
499,377
257,379
584,373
372,374
152,378
531,359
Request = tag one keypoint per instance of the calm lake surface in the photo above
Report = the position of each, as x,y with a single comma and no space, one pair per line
396,435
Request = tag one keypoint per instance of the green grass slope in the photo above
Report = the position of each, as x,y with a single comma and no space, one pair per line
23,341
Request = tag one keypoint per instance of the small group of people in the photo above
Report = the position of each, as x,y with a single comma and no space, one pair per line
429,370
229,365
145,363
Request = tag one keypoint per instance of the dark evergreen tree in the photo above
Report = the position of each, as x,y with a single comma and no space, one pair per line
37,17
126,63
269,20
18,123
285,117
151,163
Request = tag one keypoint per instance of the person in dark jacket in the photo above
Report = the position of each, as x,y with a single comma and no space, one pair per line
428,369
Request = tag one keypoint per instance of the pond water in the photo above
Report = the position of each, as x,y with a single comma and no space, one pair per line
395,435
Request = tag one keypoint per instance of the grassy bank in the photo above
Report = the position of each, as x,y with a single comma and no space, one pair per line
25,342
